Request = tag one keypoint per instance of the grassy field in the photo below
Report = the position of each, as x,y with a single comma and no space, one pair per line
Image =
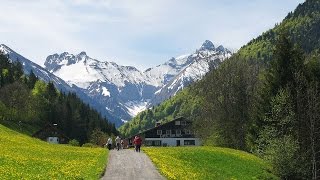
208,163
22,157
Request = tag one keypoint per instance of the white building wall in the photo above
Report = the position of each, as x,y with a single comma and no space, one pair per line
173,141
53,140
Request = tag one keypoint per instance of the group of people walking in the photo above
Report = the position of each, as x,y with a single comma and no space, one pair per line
118,141
137,141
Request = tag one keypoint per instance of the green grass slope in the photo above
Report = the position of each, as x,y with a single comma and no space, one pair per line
23,128
23,157
208,163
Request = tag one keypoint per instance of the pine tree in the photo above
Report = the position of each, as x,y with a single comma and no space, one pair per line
17,69
32,80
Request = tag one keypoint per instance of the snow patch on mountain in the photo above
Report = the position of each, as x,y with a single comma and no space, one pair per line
105,92
82,70
182,56
134,107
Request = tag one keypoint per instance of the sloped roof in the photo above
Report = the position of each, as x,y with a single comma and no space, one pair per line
49,127
176,119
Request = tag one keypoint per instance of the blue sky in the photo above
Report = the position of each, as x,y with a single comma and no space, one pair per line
142,33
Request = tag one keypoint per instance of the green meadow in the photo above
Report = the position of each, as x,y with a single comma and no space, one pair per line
208,163
23,157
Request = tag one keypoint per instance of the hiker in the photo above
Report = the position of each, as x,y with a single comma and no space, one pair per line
118,139
109,143
137,142
122,144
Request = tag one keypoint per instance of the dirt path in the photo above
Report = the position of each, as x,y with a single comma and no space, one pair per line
129,165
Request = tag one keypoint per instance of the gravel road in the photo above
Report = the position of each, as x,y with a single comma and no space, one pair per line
127,164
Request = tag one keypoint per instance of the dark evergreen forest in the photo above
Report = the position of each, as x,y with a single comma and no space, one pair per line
27,104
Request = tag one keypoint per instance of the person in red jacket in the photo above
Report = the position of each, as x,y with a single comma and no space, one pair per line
137,142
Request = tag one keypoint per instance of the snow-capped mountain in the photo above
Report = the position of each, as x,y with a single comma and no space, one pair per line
199,63
29,66
120,92
60,84
125,91
80,69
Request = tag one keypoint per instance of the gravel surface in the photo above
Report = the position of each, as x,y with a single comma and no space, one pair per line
127,164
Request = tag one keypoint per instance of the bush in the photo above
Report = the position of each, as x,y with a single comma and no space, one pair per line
88,145
74,142
98,137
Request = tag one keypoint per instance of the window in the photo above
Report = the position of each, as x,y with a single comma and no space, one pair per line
183,123
177,123
168,132
153,143
189,142
178,132
157,143
148,143
159,132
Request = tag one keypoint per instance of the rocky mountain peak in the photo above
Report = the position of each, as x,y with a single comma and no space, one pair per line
56,61
83,53
207,45
220,48
5,49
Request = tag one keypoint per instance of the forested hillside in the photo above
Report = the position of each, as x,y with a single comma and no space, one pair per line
184,104
264,99
27,104
302,27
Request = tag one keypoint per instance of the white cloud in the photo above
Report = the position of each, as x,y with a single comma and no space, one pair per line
133,32
35,25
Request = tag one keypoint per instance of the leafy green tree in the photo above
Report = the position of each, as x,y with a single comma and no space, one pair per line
39,89
279,123
282,154
15,96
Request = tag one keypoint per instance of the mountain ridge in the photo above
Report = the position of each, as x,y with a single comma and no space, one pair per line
120,92
129,89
